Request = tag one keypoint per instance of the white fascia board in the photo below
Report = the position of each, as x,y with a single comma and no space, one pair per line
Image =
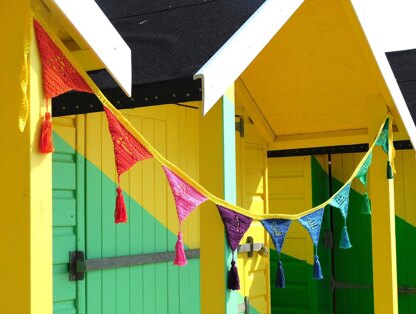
227,64
394,22
102,38
375,41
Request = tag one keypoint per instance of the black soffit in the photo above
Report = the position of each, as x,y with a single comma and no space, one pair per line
170,42
403,64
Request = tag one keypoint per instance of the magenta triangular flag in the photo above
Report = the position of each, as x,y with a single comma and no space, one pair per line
186,196
235,224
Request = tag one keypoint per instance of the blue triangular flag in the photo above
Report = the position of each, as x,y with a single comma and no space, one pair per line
341,200
363,172
277,228
312,222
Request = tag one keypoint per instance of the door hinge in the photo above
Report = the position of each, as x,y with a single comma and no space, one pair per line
239,126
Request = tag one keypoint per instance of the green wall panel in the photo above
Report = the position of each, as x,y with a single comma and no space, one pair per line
159,288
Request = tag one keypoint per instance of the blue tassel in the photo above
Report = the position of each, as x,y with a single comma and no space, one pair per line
317,272
233,279
366,206
389,171
345,239
280,276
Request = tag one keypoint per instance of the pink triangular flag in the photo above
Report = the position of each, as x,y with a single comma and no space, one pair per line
186,196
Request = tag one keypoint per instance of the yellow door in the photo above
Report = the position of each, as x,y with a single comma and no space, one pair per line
252,195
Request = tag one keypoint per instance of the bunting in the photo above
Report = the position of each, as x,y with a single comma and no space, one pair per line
236,226
61,74
187,198
278,228
312,223
127,151
341,201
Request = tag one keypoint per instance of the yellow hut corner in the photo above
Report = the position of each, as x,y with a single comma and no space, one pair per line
183,130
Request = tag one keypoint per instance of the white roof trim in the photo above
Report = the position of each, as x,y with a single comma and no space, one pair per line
227,64
372,33
101,36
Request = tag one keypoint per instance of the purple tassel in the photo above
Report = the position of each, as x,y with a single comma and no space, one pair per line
280,276
180,258
233,279
317,272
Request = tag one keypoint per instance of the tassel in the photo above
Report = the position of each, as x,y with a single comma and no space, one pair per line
280,276
345,239
317,272
180,257
46,141
389,171
366,206
120,214
233,279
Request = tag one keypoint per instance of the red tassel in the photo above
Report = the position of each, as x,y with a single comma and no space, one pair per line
120,215
46,142
180,258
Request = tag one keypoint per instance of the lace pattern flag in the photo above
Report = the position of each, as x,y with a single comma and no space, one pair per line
362,176
236,226
278,228
312,223
127,151
384,141
59,76
187,198
341,201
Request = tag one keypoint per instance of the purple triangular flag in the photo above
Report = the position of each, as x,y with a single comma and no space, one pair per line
235,225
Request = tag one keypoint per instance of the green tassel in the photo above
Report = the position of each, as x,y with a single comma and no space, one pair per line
366,206
389,171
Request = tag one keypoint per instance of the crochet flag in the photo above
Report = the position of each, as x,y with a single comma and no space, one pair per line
363,172
127,149
341,201
277,228
383,138
187,198
312,223
59,75
236,226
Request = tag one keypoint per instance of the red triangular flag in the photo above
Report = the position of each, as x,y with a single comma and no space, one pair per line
186,196
59,76
127,149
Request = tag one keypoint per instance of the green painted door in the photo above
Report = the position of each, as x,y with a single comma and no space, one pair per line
68,185
83,208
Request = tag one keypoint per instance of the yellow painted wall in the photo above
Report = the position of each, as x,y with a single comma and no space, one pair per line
252,195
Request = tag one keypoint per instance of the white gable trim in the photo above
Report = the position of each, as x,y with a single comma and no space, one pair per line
227,64
102,38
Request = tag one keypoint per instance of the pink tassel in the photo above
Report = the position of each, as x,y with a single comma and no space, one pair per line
180,258
120,214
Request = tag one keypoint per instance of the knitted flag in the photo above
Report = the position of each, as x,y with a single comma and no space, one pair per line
236,226
127,149
277,228
341,201
312,223
383,138
59,76
363,172
187,198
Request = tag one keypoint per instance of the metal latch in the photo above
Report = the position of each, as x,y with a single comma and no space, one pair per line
244,308
250,247
78,265
239,126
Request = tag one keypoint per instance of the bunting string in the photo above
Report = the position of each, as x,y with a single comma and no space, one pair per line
131,147
165,162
